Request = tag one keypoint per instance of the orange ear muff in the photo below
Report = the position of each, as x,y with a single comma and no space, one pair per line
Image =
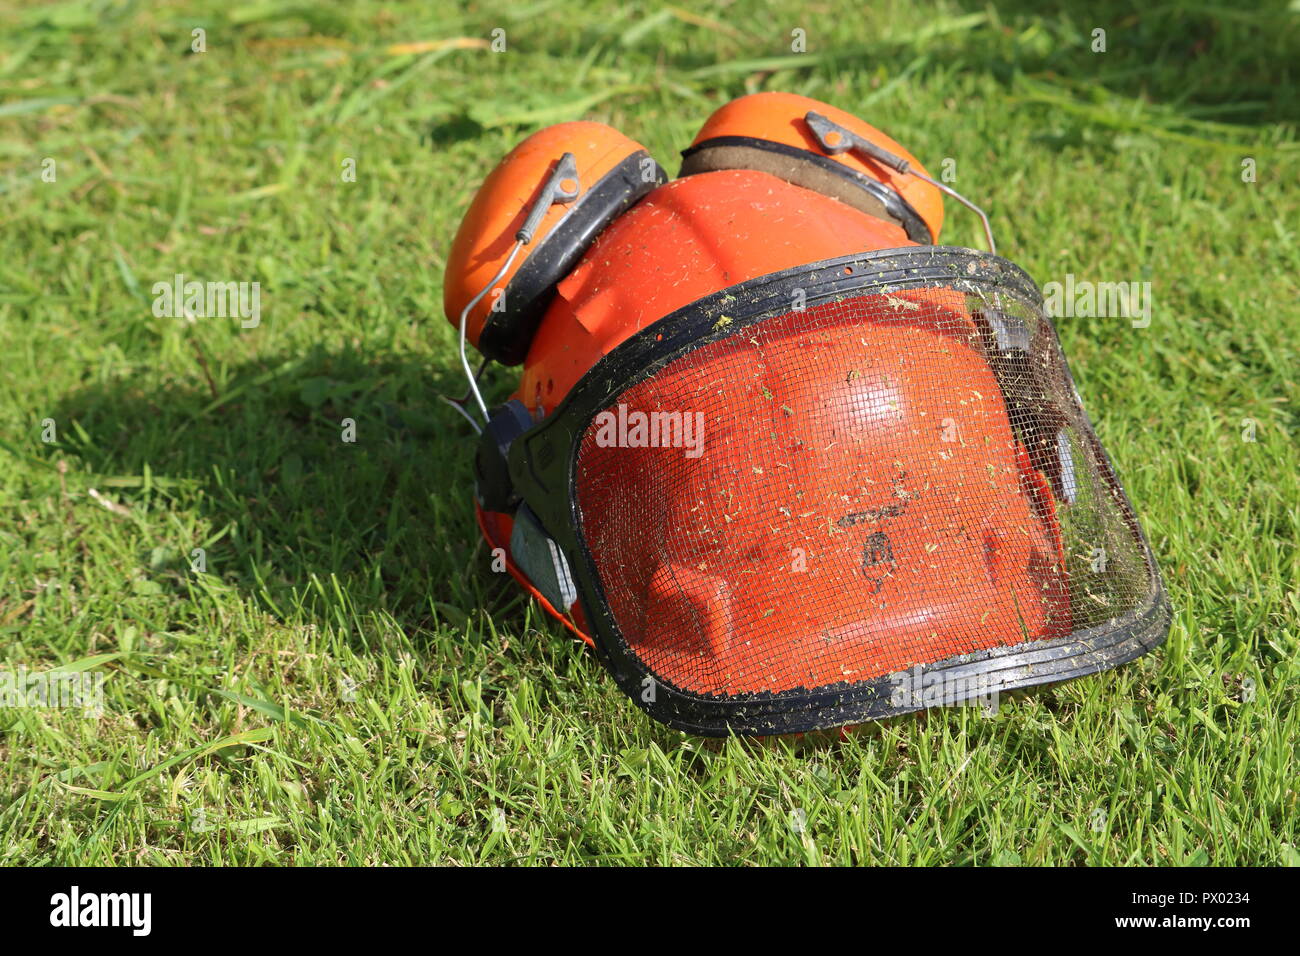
769,132
534,215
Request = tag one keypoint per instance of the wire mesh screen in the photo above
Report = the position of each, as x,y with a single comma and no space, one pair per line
838,493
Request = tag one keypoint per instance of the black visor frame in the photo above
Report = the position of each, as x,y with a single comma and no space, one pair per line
543,463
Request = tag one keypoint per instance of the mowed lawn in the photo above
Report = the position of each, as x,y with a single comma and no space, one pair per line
347,681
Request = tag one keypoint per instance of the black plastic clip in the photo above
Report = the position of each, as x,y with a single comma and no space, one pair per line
495,489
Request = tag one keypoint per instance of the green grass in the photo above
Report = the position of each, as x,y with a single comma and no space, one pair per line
348,682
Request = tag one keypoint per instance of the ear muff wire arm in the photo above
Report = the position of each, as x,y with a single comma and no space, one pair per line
836,139
459,403
561,186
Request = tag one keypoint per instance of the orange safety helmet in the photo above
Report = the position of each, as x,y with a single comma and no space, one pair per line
784,463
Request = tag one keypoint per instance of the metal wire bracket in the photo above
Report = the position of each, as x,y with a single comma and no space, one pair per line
836,139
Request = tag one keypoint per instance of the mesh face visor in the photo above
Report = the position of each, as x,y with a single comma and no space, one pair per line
841,492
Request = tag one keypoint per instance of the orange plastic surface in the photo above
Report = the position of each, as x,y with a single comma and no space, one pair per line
687,239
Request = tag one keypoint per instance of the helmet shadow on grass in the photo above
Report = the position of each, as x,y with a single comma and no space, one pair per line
322,467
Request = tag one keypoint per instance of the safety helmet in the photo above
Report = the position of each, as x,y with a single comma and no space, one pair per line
783,461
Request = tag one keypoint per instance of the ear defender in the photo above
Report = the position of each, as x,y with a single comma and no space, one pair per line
818,147
536,213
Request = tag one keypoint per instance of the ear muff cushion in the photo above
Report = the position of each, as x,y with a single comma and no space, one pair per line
507,334
810,171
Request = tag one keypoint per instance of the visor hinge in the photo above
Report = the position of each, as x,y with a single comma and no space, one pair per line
493,486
